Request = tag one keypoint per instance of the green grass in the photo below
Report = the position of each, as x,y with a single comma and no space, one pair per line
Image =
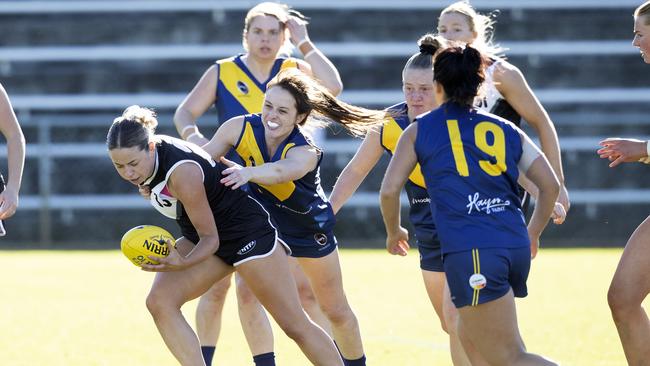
87,308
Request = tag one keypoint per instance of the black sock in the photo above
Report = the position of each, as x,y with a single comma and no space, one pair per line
358,362
208,353
264,359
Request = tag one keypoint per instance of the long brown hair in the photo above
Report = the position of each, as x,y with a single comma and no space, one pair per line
321,107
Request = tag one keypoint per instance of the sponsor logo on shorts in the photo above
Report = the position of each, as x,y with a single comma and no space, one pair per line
415,201
242,87
477,281
487,205
321,239
247,248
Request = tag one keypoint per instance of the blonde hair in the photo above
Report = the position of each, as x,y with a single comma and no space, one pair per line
282,12
482,25
135,127
320,107
643,10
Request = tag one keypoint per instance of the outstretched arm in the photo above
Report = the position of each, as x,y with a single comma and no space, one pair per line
356,171
401,165
298,162
12,132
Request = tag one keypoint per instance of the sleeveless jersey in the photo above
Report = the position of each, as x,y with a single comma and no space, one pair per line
300,207
236,215
492,101
469,160
419,201
238,91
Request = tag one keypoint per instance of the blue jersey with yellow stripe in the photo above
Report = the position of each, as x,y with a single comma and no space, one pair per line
238,91
469,159
419,201
300,207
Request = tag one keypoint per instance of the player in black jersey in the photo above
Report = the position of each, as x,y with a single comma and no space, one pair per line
223,231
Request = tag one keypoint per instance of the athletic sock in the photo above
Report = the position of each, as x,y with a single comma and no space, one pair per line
358,362
208,353
264,359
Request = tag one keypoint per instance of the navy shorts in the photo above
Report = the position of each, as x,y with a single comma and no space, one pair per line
430,257
478,276
315,245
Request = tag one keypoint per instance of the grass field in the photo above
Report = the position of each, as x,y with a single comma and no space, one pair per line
87,308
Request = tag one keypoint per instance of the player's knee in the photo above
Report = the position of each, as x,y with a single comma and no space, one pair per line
339,314
296,330
307,297
158,304
621,299
245,296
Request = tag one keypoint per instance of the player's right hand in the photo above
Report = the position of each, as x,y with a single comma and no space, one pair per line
397,243
145,191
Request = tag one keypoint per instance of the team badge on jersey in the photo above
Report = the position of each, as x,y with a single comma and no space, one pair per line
477,281
242,87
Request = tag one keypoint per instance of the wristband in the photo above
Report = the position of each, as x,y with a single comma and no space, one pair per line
194,133
303,41
186,128
313,50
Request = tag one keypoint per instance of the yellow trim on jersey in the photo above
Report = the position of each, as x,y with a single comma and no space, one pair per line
286,149
249,149
230,74
477,270
389,137
289,63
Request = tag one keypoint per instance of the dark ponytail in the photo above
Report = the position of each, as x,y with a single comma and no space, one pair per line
460,71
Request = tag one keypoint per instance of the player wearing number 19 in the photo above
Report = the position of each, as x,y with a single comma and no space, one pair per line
471,161
223,231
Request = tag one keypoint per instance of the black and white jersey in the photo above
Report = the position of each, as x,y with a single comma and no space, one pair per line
237,216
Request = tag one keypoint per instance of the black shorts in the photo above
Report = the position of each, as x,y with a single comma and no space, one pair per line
236,252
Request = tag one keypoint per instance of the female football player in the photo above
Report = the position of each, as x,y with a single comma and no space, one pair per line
470,161
12,132
223,230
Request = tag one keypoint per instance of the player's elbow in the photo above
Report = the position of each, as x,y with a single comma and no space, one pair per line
550,187
388,191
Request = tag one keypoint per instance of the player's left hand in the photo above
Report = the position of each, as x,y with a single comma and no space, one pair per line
235,175
8,203
297,30
534,246
397,243
173,262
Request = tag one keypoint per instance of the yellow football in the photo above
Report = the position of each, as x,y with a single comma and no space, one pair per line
145,240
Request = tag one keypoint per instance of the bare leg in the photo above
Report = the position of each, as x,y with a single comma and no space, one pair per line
326,280
629,287
279,296
307,297
170,291
492,327
254,322
209,310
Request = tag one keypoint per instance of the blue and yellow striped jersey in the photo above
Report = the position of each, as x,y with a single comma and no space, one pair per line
419,201
469,160
238,91
298,207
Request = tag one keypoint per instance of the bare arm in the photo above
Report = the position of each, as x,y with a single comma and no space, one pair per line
513,86
186,184
15,156
197,102
541,174
317,65
298,162
225,138
356,171
399,169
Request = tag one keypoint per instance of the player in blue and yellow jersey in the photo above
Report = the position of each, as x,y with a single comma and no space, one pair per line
282,171
471,162
417,85
223,230
505,91
236,86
